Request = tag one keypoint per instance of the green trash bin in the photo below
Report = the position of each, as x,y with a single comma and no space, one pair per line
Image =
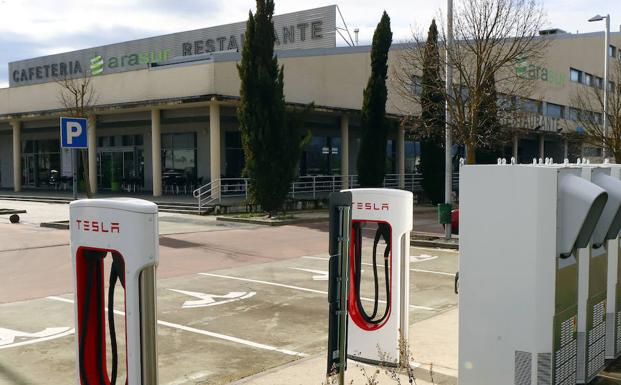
444,213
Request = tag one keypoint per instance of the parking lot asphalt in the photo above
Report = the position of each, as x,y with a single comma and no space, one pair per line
233,300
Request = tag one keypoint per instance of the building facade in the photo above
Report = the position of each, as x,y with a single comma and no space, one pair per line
164,118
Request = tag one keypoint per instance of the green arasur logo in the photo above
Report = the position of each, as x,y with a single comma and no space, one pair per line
97,64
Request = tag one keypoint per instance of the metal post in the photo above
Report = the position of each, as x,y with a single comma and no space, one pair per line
74,168
148,325
605,117
314,182
448,172
345,226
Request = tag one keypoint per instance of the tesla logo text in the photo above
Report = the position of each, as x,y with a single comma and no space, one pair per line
373,206
98,226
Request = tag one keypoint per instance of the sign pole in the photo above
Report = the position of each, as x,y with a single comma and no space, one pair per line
448,159
74,168
73,135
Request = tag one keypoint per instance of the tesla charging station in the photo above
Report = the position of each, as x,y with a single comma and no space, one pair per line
521,227
592,268
126,230
613,291
377,323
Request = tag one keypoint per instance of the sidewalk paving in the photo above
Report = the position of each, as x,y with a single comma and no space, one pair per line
433,344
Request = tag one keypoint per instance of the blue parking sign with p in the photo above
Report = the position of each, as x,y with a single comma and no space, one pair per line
73,132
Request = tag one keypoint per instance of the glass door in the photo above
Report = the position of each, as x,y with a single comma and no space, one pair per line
120,168
28,170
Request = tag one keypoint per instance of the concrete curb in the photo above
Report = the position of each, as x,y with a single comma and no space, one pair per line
11,211
440,244
265,222
425,239
60,225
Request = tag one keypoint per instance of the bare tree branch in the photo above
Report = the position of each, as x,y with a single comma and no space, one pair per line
77,96
588,111
492,39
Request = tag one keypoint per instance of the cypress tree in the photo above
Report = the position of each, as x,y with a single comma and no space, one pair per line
373,124
432,120
271,138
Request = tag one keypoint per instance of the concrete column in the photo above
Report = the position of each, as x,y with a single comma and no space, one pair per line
156,152
214,147
401,156
92,153
516,143
17,155
344,151
541,147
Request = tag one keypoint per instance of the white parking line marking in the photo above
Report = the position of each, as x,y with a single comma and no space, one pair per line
206,300
435,249
322,275
370,264
301,288
433,272
7,336
207,333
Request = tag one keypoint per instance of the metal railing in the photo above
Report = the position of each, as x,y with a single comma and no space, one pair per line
305,187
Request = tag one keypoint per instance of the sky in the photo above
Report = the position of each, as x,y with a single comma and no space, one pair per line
32,28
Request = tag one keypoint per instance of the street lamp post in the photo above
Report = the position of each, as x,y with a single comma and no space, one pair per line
448,170
606,45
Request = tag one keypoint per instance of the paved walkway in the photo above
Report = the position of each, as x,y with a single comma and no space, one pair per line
434,352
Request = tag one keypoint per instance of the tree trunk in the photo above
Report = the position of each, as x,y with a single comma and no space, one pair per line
470,154
84,154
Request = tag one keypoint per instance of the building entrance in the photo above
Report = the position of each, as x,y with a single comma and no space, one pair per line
120,168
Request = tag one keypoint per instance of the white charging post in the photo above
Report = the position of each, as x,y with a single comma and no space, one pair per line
520,229
384,215
613,289
592,267
127,230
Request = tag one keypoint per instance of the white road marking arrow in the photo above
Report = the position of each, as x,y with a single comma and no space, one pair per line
206,300
422,257
8,336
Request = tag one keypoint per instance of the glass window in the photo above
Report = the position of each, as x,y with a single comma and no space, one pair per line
530,105
234,154
179,157
575,75
391,156
574,114
167,140
28,146
588,79
321,156
411,156
592,151
184,140
612,51
554,110
611,86
41,162
416,85
127,140
599,82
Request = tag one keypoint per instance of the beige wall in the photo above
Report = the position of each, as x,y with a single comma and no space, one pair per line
333,80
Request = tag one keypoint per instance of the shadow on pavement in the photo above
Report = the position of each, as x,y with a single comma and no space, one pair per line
12,377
